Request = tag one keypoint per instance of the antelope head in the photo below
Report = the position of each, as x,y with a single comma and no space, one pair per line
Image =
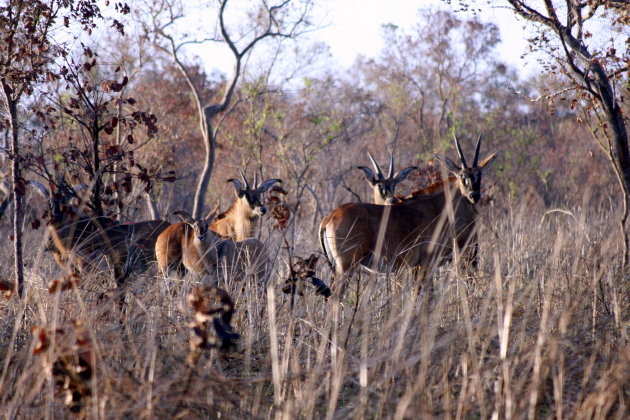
248,196
201,227
468,178
385,187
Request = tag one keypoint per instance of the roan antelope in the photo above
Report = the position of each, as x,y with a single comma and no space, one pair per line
239,221
412,233
192,246
385,188
82,241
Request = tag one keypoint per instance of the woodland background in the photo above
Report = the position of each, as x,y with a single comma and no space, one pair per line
540,331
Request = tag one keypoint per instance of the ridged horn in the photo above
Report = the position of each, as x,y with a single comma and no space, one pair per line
477,147
247,186
390,175
459,152
379,174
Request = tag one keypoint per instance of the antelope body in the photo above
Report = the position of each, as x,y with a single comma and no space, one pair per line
83,241
411,233
232,230
127,247
191,246
385,187
174,248
238,259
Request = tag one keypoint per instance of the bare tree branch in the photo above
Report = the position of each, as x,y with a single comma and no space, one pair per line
272,28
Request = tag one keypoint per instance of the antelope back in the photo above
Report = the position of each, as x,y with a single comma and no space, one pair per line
126,247
350,234
88,238
170,245
129,247
141,239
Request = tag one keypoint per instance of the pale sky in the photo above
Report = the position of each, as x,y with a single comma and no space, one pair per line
353,27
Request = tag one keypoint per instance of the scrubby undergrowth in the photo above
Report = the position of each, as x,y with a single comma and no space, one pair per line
539,331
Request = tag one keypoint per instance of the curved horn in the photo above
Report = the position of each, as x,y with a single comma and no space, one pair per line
237,184
264,186
477,147
459,152
369,175
391,166
376,167
402,174
244,179
255,180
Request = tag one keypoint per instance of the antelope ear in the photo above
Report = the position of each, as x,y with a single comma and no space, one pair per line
487,161
237,187
369,175
267,184
403,173
448,163
184,216
211,215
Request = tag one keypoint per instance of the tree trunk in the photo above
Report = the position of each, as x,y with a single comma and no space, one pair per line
619,150
6,146
17,228
97,183
209,112
621,163
154,213
18,191
595,80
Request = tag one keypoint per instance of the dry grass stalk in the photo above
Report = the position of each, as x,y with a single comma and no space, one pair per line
539,329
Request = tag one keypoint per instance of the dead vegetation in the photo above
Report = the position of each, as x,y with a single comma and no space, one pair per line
540,331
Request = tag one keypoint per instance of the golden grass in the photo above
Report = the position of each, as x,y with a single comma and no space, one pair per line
539,331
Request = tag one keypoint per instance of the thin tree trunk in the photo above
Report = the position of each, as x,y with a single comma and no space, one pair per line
97,183
17,232
6,146
595,79
18,213
209,112
154,213
619,150
115,177
623,223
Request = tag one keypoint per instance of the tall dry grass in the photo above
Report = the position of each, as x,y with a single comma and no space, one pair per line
539,331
